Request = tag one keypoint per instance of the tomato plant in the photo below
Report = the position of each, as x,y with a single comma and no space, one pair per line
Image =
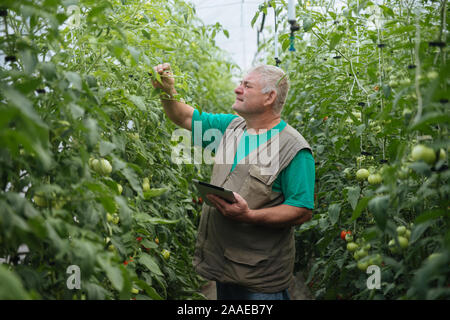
379,72
85,147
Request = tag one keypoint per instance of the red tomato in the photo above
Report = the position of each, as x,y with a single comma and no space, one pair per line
344,233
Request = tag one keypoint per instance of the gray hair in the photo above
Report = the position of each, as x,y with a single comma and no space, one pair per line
273,79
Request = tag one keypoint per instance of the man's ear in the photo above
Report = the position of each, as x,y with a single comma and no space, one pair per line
270,99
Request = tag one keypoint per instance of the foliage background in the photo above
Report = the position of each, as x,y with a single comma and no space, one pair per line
72,90
369,80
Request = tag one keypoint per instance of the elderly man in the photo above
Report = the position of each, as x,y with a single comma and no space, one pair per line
248,246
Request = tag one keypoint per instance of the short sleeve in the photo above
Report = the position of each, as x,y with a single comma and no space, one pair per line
297,180
208,127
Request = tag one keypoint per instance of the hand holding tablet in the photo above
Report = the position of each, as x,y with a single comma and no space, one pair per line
206,188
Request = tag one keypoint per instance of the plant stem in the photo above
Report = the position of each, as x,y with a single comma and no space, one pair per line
417,62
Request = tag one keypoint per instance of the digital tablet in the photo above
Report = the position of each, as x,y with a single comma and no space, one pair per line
206,188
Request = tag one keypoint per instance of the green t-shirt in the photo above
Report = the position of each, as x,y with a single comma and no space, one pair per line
296,181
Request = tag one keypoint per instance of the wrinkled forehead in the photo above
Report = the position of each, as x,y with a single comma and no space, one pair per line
253,78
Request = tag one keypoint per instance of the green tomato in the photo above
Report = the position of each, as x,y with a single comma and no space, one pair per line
40,200
165,253
348,237
348,173
134,291
95,164
407,234
406,112
351,246
374,178
393,83
401,230
109,217
421,152
362,174
363,264
403,173
432,75
434,256
357,115
392,246
146,185
405,81
116,219
105,167
119,188
375,260
362,253
442,154
403,242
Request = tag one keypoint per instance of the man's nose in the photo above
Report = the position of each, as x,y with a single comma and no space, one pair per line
238,89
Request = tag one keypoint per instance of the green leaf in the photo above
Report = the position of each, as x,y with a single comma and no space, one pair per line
162,221
150,291
308,23
149,244
335,38
11,288
138,101
106,147
419,229
255,17
22,103
146,34
379,206
132,179
421,168
430,118
135,53
113,273
353,196
108,203
124,212
150,263
362,204
156,192
333,212
431,214
74,78
29,61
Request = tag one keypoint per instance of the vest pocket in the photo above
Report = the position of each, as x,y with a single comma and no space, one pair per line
244,267
245,257
255,172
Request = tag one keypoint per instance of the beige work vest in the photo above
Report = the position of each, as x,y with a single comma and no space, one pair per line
257,257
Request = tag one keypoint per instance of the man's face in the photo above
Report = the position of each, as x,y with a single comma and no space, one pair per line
249,99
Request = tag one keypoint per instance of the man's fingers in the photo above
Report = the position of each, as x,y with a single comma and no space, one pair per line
217,201
160,68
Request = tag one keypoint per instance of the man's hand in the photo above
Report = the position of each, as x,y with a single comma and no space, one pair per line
167,81
277,217
177,111
238,211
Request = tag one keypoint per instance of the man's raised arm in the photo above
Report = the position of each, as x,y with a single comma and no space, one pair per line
180,113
